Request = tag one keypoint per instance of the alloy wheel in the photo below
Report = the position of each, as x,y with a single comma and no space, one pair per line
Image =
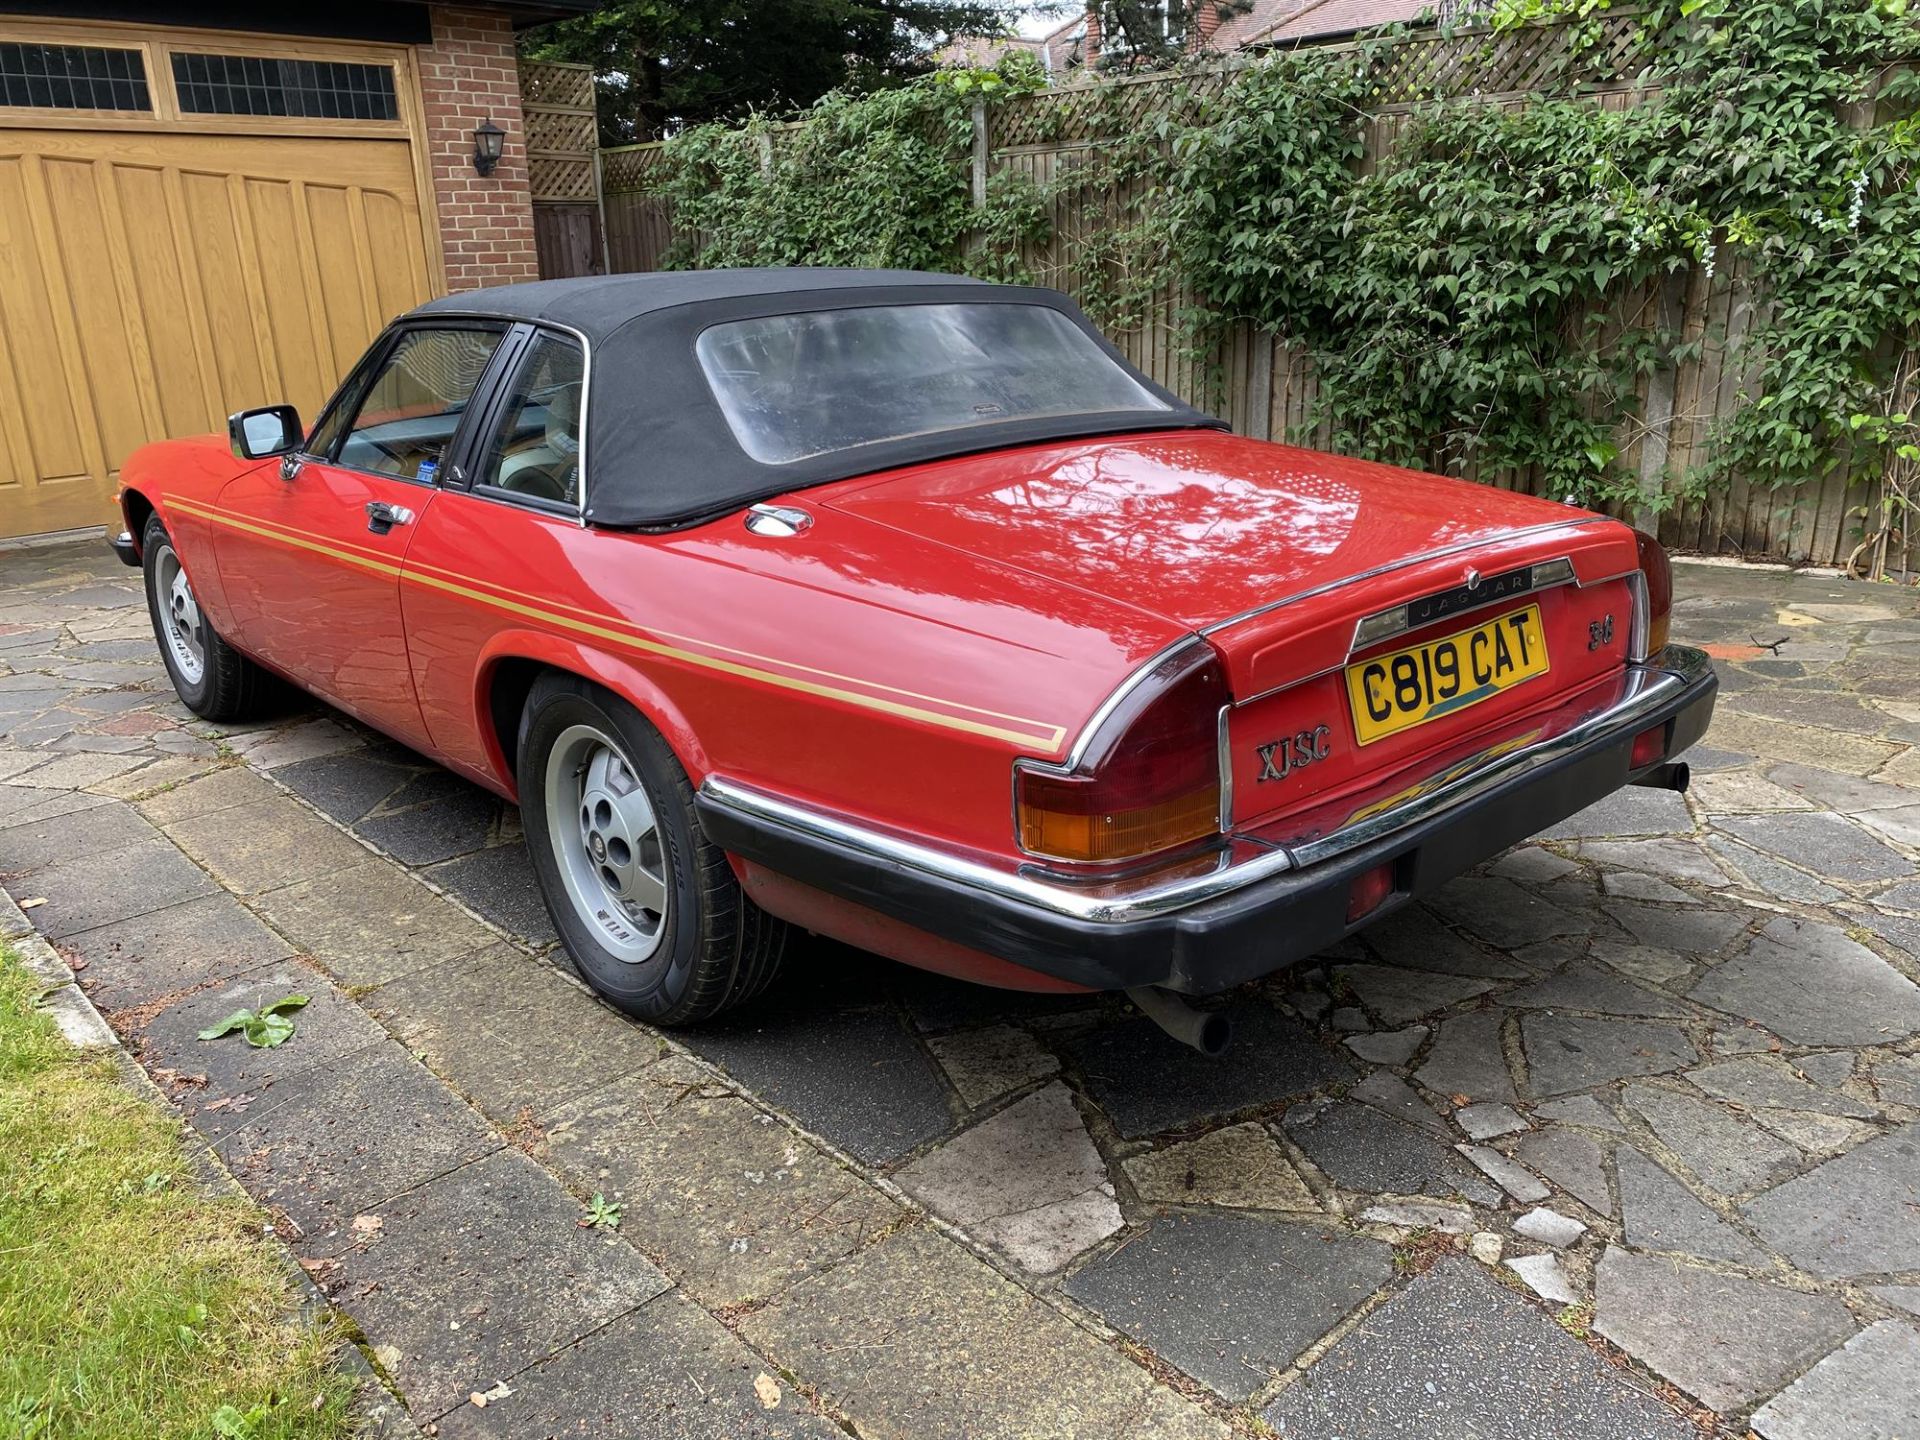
180,619
607,840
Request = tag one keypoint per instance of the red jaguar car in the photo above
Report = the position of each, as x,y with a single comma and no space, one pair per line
900,608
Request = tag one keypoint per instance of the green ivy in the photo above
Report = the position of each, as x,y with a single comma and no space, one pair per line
1825,212
1490,295
1454,298
867,180
1487,297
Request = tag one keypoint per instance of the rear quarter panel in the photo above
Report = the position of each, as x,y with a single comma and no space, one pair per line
853,667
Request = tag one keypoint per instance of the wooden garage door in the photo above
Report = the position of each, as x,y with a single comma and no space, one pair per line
159,272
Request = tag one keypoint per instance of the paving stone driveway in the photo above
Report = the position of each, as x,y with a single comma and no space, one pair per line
1618,1137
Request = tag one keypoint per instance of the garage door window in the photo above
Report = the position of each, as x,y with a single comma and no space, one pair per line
306,89
72,77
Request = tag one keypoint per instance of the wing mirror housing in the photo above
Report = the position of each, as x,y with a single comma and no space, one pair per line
266,432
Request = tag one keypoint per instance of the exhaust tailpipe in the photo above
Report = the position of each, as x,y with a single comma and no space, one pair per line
1674,775
1208,1031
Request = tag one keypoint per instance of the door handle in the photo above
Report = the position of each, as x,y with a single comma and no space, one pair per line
382,517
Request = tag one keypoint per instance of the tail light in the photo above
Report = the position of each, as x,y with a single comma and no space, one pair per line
1148,778
1654,614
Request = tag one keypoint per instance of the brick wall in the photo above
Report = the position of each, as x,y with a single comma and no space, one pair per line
467,75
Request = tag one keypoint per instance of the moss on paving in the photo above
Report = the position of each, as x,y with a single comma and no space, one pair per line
132,1301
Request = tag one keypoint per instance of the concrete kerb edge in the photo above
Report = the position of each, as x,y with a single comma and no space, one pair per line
46,962
1737,562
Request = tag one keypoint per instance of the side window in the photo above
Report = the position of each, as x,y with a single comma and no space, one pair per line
536,450
413,402
332,423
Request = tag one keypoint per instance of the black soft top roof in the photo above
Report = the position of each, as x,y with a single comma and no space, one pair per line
659,453
598,305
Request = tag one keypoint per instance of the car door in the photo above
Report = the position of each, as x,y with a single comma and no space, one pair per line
313,576
505,530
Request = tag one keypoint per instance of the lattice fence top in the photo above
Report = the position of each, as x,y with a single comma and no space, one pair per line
561,178
551,82
1612,51
1422,66
562,132
1075,114
631,167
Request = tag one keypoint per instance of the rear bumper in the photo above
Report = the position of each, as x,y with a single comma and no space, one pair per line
123,546
1252,908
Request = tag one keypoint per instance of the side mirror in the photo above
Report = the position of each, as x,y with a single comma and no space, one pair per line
268,431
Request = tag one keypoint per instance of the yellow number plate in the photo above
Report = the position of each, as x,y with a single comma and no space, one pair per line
1391,693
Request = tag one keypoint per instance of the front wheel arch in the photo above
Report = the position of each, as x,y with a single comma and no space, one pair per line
224,685
136,509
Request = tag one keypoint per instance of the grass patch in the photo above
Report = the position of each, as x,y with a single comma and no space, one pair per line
1421,1250
1576,1320
132,1301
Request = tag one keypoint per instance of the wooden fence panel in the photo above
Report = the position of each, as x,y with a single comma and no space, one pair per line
639,223
562,136
567,240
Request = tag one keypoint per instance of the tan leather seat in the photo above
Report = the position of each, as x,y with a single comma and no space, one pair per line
552,471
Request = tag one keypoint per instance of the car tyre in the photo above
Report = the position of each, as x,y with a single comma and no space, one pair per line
214,680
647,907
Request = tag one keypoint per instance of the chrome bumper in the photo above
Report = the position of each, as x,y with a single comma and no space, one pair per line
1247,859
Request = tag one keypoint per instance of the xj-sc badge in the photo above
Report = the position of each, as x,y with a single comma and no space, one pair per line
1282,757
1600,632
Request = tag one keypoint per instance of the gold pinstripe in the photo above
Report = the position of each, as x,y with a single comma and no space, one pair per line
414,570
417,566
1050,735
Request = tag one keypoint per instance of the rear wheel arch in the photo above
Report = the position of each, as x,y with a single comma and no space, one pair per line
508,674
648,907
504,690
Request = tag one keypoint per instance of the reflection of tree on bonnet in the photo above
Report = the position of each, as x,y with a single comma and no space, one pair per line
1120,517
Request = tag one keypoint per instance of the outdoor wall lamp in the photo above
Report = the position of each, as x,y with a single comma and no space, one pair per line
487,140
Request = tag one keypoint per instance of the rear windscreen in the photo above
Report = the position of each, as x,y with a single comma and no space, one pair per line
795,386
